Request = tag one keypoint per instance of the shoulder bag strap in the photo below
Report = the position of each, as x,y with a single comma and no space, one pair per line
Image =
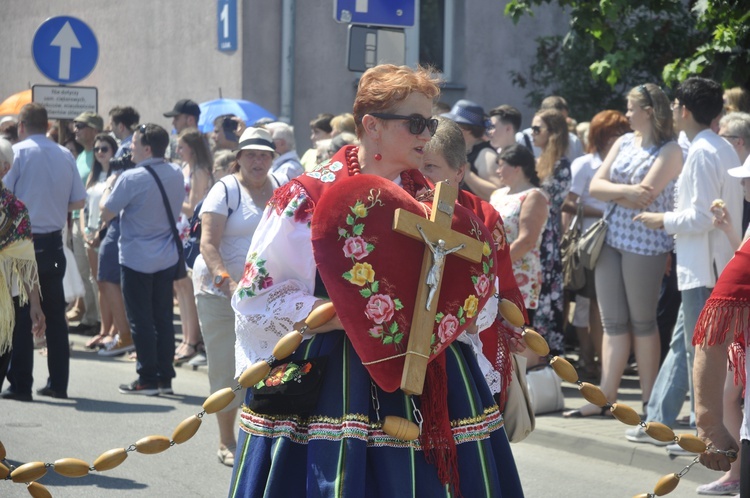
170,216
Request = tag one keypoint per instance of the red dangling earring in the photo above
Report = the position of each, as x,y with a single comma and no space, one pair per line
378,157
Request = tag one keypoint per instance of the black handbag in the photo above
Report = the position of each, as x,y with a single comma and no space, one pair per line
181,270
290,388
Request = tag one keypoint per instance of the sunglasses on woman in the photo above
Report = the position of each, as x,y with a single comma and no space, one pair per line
101,149
417,123
536,130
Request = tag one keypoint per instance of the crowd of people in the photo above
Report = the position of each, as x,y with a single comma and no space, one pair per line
223,226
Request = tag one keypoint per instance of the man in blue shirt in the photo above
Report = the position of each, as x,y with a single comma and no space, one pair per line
148,256
44,176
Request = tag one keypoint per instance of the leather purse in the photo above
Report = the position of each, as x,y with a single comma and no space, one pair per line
519,413
591,242
290,388
574,274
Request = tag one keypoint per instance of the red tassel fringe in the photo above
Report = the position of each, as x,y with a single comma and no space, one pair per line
719,316
737,361
437,437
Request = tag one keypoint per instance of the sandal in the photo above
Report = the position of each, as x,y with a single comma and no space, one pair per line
181,358
95,342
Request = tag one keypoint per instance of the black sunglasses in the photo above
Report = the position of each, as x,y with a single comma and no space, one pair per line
417,123
142,130
101,149
80,126
536,130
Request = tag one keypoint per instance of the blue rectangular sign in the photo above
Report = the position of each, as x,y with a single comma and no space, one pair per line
227,19
394,13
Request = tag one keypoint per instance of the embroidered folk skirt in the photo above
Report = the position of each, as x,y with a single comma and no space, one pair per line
340,450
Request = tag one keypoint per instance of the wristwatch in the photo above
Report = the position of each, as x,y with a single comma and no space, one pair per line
219,279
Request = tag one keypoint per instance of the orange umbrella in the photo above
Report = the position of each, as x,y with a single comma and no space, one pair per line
13,104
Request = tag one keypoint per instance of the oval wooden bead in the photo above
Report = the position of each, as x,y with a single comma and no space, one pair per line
110,459
511,313
660,432
218,400
666,484
593,394
320,315
400,428
625,414
535,342
71,467
691,443
4,472
287,345
564,369
29,472
642,495
2,451
186,429
254,374
150,445
37,490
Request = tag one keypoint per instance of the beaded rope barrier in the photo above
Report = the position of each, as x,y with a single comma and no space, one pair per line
621,412
29,473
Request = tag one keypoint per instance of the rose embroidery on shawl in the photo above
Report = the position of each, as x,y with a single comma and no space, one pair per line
356,247
325,171
481,284
381,307
360,274
449,320
447,326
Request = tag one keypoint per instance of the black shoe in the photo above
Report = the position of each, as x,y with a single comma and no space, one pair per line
165,387
47,391
83,329
8,394
136,387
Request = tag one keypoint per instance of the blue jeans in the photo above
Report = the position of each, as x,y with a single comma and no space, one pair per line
148,304
675,377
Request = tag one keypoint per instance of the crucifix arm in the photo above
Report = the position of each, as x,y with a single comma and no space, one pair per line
426,240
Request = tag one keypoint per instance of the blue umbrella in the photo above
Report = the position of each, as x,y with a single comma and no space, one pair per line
248,111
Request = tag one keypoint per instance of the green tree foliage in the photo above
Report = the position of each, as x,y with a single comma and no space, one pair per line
613,45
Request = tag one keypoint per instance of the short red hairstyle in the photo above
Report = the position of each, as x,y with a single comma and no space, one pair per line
383,86
603,127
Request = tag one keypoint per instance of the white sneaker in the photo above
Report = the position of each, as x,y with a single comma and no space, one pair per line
116,348
638,435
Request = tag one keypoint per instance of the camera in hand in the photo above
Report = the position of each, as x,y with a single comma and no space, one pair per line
122,163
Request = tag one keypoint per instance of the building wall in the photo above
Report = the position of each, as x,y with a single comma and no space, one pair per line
153,53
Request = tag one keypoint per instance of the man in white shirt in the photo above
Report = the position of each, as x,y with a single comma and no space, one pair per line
287,163
702,251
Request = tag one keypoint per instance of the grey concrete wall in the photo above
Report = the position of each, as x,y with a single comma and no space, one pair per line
153,52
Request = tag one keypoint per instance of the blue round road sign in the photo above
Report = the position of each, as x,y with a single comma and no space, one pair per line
65,49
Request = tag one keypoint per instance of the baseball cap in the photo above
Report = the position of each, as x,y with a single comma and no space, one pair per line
741,171
184,106
90,119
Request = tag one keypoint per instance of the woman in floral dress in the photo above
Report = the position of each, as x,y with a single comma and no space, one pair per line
551,135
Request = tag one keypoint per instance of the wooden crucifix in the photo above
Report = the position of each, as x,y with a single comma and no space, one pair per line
440,241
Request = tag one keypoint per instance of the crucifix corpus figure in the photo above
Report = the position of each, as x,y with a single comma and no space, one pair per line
438,228
439,252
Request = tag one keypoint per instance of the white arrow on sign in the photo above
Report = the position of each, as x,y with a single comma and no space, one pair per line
65,39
